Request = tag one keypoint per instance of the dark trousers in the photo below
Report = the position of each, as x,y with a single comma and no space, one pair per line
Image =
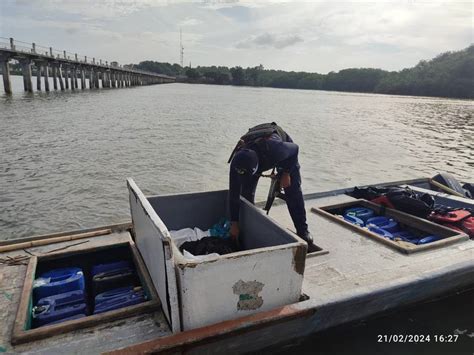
294,199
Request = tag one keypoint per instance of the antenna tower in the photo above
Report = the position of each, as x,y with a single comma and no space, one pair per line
181,48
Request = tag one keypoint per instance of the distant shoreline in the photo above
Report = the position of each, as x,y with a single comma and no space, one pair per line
449,75
330,91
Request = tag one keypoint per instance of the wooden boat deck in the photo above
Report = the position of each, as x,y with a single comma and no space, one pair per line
358,267
359,277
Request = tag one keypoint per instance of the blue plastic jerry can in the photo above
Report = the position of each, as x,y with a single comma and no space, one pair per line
381,232
406,237
384,222
110,276
360,212
429,239
354,220
118,298
59,307
58,281
110,267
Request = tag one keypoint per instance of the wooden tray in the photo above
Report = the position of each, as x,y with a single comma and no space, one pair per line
448,235
21,328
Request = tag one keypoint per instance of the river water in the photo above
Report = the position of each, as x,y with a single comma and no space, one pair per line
65,156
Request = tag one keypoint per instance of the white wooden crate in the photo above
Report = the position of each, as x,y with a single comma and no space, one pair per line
268,273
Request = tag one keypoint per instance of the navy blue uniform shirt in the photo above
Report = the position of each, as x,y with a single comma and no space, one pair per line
272,152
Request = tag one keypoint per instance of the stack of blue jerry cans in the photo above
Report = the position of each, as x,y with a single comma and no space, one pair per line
113,286
384,226
58,295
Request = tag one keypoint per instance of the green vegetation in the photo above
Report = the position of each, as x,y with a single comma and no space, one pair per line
450,74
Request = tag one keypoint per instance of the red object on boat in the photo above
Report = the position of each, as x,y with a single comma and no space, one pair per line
449,217
383,200
459,220
468,226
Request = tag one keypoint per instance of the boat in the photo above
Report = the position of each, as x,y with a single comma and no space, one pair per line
354,274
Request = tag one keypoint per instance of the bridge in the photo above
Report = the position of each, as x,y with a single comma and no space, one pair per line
68,69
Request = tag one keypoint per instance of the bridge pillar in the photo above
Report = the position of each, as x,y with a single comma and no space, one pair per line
91,78
106,79
26,71
112,76
75,76
66,77
38,76
83,79
46,77
7,84
60,76
71,77
55,76
97,82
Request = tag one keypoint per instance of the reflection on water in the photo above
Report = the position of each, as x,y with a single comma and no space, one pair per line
66,155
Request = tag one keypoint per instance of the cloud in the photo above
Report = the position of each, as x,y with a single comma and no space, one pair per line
266,40
237,13
188,22
387,34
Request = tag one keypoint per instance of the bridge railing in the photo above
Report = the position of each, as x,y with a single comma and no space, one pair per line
33,48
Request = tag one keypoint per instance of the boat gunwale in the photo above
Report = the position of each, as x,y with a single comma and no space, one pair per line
219,330
118,227
342,191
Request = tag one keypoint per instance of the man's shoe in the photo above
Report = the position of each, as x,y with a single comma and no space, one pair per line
308,238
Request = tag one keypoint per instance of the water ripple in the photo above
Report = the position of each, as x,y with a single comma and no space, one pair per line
65,155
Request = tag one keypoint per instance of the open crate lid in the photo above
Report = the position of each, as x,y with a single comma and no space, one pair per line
154,242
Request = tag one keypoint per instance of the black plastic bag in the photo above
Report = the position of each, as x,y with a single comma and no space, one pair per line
209,245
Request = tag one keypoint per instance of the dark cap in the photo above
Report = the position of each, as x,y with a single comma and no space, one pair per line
245,162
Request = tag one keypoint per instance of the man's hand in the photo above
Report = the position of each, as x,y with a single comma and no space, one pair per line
285,180
234,230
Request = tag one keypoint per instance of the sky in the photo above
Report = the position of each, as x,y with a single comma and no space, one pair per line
311,36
